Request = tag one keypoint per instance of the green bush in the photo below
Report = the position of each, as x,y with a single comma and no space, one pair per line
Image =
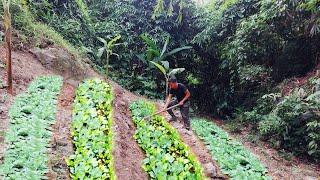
264,106
92,132
292,121
167,156
29,133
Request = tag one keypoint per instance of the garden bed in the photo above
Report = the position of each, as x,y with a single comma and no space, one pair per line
167,157
29,133
92,132
233,159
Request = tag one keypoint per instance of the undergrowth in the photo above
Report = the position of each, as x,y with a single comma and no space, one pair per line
31,30
289,121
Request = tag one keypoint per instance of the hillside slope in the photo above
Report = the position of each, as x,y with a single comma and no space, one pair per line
127,153
57,61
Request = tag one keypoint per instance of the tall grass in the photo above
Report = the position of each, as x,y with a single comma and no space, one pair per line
30,28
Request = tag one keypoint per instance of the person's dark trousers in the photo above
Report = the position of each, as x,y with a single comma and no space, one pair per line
184,112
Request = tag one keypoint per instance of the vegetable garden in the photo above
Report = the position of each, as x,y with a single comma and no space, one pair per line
92,132
29,133
232,157
251,66
167,156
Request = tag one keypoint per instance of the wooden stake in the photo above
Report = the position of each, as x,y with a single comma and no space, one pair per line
7,23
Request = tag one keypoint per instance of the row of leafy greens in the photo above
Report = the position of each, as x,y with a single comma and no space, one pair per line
29,133
92,132
233,159
167,156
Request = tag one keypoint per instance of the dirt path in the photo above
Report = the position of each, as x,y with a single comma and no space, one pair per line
127,154
61,142
280,168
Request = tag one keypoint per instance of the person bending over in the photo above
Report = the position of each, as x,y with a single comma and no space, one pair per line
182,95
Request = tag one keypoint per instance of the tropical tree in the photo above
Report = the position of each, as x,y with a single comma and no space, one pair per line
153,52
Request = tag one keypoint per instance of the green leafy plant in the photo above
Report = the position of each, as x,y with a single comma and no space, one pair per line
165,70
107,50
153,52
290,122
84,10
155,56
233,159
29,133
167,156
159,9
1,36
92,132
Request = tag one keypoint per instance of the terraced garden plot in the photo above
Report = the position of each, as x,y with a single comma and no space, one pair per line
92,132
29,133
233,159
167,157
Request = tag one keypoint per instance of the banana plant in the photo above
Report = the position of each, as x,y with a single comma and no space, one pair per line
107,50
154,53
166,71
157,57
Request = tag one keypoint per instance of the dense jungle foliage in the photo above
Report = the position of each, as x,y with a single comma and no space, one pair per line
241,50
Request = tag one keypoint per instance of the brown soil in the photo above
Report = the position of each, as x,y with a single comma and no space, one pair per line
127,154
61,143
279,166
288,86
211,169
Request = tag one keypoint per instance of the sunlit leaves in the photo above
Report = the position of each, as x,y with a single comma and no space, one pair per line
167,156
92,132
